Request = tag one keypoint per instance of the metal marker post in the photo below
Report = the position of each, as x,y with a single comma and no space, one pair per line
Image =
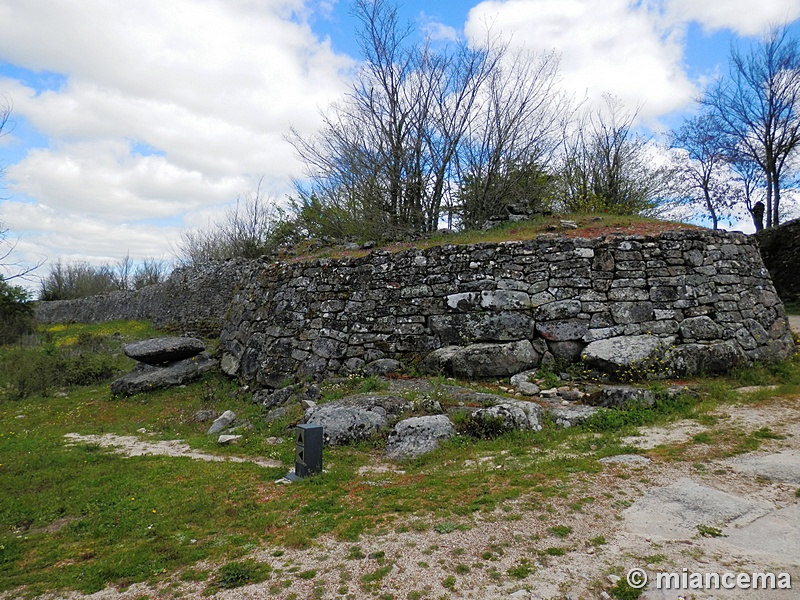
308,451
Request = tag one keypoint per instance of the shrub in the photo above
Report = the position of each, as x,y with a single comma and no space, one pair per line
237,574
484,426
16,312
37,371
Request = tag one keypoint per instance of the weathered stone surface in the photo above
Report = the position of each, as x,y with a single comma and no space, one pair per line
697,359
158,351
416,436
270,399
222,422
516,414
439,360
346,424
501,326
559,310
561,331
570,415
622,396
147,378
627,353
700,328
569,351
482,360
324,317
227,440
383,366
779,248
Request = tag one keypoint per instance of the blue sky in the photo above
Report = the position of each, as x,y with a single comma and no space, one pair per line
133,120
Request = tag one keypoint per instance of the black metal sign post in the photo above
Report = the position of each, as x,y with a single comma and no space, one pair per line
308,451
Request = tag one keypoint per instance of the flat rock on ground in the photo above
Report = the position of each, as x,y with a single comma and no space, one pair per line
147,378
675,511
157,351
783,466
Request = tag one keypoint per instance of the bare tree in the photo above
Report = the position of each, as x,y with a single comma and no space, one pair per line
511,138
419,119
9,267
758,105
607,166
703,165
250,229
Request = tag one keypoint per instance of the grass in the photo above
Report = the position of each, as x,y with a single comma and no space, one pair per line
588,225
81,517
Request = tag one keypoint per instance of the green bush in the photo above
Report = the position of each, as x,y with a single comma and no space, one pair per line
16,312
237,574
485,427
38,371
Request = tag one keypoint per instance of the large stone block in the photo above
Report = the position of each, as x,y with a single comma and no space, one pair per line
633,354
148,378
157,351
702,359
482,360
501,326
416,436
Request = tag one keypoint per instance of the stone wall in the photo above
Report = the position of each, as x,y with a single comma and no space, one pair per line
704,297
780,248
190,300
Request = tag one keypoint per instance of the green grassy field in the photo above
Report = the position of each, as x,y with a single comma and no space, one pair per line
80,517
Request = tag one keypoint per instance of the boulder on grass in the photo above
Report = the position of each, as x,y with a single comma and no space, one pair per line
482,360
416,436
510,414
632,355
148,378
345,424
159,351
706,359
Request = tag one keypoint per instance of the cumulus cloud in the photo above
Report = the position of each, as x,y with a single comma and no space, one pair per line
742,16
160,107
615,47
436,30
73,236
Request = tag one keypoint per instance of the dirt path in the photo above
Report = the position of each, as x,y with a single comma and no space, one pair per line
132,446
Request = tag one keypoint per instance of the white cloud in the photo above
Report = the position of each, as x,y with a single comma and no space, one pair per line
211,86
610,47
436,30
745,17
73,236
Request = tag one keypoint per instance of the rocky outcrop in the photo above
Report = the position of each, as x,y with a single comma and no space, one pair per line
148,378
163,362
508,414
159,351
355,418
682,302
416,436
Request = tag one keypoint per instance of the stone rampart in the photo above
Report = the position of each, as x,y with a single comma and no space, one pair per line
699,300
780,247
193,299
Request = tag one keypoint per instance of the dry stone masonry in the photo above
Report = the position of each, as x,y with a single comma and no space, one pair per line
683,302
191,299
